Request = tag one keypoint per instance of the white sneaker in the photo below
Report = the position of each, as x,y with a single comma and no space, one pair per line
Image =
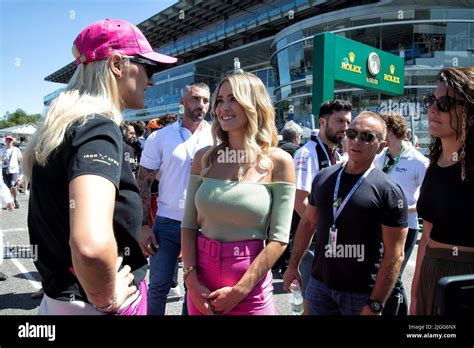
174,292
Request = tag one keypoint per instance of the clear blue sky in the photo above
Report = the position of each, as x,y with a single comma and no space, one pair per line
36,39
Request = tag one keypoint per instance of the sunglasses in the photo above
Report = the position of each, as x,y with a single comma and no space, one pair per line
150,67
365,136
443,103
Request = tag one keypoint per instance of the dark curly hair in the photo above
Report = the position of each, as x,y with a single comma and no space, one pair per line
168,119
397,124
461,81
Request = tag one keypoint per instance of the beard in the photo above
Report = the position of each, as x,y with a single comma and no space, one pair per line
333,136
194,116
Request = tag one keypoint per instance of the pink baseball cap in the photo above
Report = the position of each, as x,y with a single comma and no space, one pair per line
101,39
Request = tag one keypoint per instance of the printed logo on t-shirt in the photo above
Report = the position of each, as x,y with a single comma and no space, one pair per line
401,170
301,163
98,157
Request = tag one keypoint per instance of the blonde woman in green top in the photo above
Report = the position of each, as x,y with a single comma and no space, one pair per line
240,194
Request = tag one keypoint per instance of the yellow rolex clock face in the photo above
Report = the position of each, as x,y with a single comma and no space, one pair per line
373,63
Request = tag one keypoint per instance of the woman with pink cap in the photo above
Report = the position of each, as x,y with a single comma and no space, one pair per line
84,210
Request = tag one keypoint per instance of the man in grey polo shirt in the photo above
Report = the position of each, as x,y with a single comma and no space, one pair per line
169,153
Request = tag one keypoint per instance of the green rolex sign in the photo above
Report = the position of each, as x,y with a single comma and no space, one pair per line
336,58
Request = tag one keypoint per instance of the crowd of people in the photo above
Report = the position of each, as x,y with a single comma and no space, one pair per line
111,200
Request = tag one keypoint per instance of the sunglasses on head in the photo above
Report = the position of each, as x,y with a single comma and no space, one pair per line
365,136
150,67
443,103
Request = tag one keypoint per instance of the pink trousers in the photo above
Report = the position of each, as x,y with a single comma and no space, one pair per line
222,264
139,306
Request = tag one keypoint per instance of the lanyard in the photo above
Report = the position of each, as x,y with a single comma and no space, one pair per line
395,160
337,209
318,139
184,140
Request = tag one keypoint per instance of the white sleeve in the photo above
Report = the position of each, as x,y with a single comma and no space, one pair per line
305,170
151,155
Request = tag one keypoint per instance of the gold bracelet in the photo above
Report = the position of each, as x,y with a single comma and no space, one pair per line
187,271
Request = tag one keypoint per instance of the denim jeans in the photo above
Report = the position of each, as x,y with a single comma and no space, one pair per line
305,268
325,301
162,264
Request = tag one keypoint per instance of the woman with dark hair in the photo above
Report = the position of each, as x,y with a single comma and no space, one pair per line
445,202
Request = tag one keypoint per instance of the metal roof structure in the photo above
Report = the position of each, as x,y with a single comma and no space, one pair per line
189,16
166,26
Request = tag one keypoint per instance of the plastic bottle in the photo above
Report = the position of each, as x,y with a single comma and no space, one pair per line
296,299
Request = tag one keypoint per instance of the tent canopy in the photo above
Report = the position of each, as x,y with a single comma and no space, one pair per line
23,129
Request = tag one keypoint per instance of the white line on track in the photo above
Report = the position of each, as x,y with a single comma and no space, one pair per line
36,284
5,230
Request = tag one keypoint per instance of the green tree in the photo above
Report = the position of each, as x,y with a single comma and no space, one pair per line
17,118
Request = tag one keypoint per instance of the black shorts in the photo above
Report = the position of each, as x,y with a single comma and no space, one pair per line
10,179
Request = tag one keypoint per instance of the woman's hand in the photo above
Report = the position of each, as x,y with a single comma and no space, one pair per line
123,288
123,283
199,295
225,299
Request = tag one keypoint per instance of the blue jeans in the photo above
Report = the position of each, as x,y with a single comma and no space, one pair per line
325,301
162,264
305,268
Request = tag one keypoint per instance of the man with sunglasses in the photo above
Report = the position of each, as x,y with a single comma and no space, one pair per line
406,166
360,218
314,156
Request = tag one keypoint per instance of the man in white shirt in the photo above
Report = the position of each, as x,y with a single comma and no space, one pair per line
169,153
406,166
11,167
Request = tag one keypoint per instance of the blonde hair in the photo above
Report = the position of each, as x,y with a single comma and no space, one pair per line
261,135
91,90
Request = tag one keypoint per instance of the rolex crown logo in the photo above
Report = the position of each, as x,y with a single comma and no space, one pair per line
351,57
392,69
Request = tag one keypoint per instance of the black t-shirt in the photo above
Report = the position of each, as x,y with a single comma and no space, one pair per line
93,148
377,201
446,202
130,157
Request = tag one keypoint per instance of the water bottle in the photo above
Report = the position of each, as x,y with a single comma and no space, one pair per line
296,299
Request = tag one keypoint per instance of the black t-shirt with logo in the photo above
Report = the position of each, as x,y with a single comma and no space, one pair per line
95,148
359,249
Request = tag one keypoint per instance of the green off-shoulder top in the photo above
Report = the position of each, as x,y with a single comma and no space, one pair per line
230,211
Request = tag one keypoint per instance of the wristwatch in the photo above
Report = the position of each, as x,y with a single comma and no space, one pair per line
375,306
